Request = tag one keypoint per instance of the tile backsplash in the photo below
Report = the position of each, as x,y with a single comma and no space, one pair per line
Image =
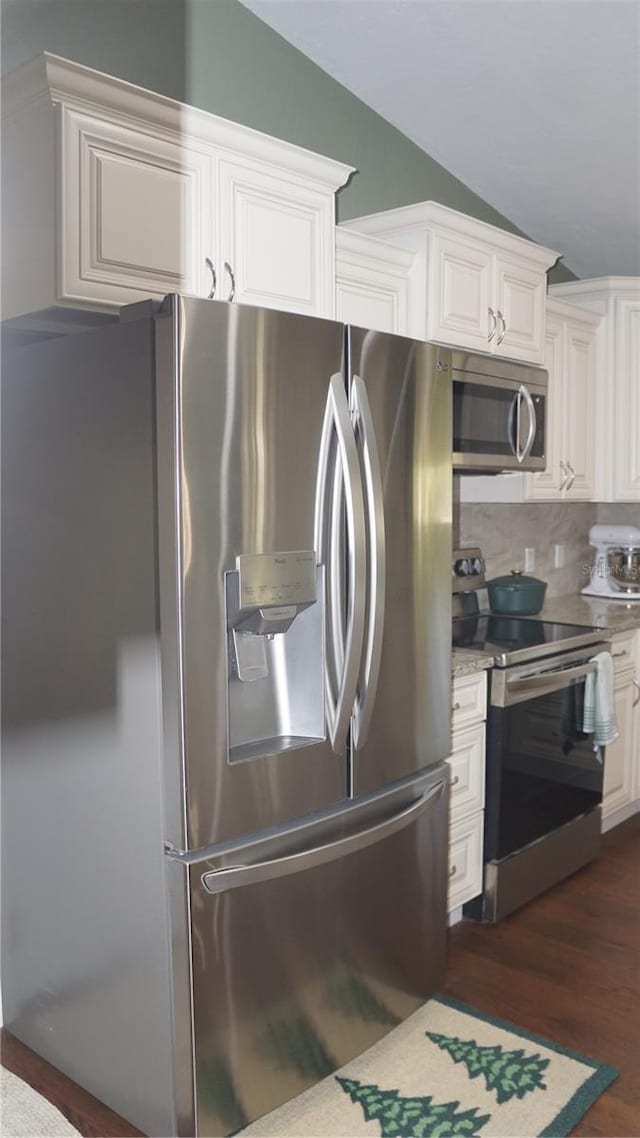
504,531
624,513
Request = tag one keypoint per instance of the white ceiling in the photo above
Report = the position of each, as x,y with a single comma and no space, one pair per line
533,104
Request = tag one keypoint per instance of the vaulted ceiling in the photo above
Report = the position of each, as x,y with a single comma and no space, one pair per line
534,104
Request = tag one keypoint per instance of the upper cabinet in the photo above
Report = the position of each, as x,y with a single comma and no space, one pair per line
617,389
485,289
376,283
112,194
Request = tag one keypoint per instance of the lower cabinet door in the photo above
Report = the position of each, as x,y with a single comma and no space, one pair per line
619,756
465,860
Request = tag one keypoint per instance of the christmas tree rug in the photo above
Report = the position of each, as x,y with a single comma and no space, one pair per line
448,1070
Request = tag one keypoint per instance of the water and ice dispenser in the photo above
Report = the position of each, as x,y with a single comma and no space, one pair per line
275,652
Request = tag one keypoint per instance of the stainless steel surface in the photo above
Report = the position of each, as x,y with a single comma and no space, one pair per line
338,429
591,639
295,975
410,404
86,979
494,325
232,290
376,562
502,320
624,568
237,876
487,371
518,683
512,882
212,291
244,376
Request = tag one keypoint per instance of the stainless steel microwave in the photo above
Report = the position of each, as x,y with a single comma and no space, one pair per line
499,414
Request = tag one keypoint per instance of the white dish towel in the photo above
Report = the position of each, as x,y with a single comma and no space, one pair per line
599,706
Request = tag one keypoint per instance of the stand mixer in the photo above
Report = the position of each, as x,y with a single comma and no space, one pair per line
615,575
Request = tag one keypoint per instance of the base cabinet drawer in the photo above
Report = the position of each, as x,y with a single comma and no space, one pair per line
469,700
465,860
467,763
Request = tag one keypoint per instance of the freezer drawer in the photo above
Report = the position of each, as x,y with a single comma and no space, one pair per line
303,959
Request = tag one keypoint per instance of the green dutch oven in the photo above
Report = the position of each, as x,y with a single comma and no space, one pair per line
516,594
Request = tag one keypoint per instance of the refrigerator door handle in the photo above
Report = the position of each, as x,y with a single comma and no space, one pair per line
363,423
235,876
337,422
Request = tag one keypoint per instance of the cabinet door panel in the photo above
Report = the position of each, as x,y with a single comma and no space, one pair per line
461,294
626,459
277,236
619,758
520,296
546,486
132,219
578,414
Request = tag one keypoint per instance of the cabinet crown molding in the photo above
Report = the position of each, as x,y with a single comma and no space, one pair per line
352,243
562,309
409,225
83,88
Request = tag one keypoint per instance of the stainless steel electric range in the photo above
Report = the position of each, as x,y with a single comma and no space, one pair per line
544,776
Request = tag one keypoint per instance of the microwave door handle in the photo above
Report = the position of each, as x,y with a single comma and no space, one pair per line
533,422
513,426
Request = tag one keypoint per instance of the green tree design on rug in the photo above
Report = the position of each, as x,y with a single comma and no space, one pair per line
512,1074
412,1117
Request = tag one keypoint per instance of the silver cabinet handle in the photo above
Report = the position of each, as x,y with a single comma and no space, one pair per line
617,655
572,476
214,280
501,334
456,707
565,475
455,780
235,876
453,870
637,687
338,443
365,435
494,326
232,291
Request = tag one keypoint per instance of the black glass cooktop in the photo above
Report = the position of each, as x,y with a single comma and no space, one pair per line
510,638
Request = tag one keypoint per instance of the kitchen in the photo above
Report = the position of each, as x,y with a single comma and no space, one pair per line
392,272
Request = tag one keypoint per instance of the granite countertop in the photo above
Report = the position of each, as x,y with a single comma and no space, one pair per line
615,616
464,661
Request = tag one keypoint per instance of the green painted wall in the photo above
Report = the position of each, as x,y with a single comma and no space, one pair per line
219,56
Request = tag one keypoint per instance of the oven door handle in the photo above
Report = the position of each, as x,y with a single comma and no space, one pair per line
530,686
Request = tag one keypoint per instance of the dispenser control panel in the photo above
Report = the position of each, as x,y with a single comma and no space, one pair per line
268,579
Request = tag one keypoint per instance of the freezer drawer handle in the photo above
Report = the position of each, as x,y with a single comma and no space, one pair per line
347,654
235,876
363,424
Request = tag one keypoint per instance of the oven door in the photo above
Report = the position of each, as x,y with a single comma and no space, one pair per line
498,424
543,771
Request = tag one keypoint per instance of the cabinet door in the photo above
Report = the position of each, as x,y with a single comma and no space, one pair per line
626,457
520,297
460,291
546,486
578,414
370,298
619,756
133,223
277,239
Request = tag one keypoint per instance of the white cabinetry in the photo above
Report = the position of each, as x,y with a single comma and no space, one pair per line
375,283
617,300
622,759
570,474
485,288
467,763
112,194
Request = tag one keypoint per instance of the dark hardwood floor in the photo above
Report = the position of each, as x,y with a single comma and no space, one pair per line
567,966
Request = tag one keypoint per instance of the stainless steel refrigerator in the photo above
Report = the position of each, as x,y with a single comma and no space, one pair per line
226,694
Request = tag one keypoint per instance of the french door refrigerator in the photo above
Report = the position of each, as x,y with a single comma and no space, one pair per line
226,698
